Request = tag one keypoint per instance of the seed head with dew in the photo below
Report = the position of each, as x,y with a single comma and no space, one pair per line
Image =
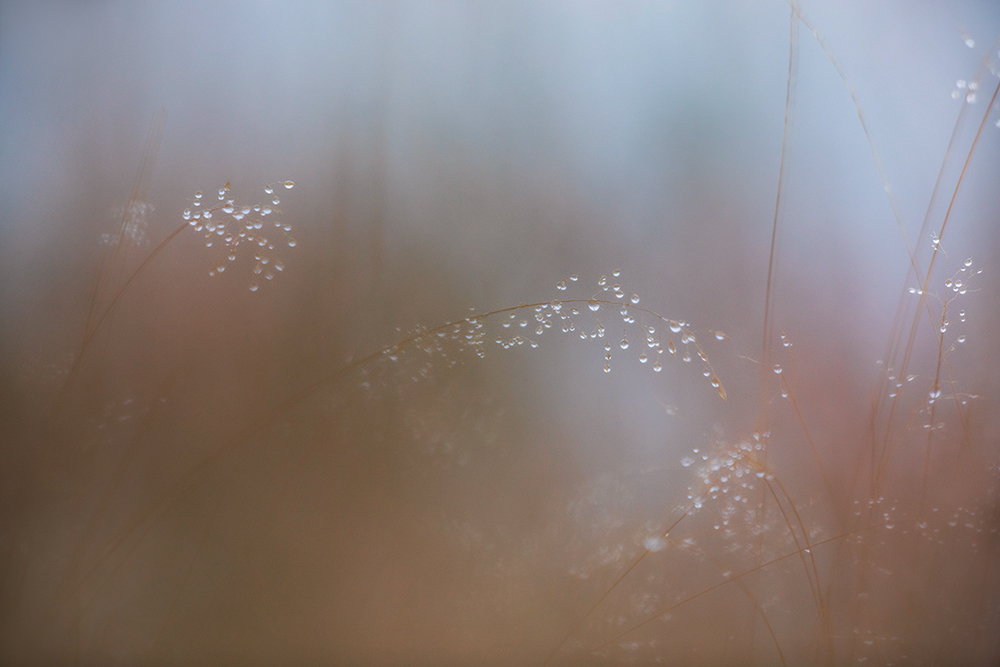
528,325
240,229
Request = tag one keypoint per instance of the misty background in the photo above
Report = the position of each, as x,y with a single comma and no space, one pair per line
449,156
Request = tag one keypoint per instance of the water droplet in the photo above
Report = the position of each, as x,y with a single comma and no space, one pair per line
687,461
657,367
607,368
960,339
207,215
969,42
593,305
719,335
674,326
269,190
624,344
616,272
289,185
561,285
227,209
539,330
291,243
777,368
220,268
254,287
968,262
269,275
970,98
633,297
574,277
643,358
197,195
265,211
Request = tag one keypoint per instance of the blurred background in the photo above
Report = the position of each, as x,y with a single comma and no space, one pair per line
162,502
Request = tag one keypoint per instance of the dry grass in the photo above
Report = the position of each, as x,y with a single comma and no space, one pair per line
210,481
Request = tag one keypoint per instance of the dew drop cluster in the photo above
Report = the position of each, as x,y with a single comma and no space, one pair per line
645,335
240,230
